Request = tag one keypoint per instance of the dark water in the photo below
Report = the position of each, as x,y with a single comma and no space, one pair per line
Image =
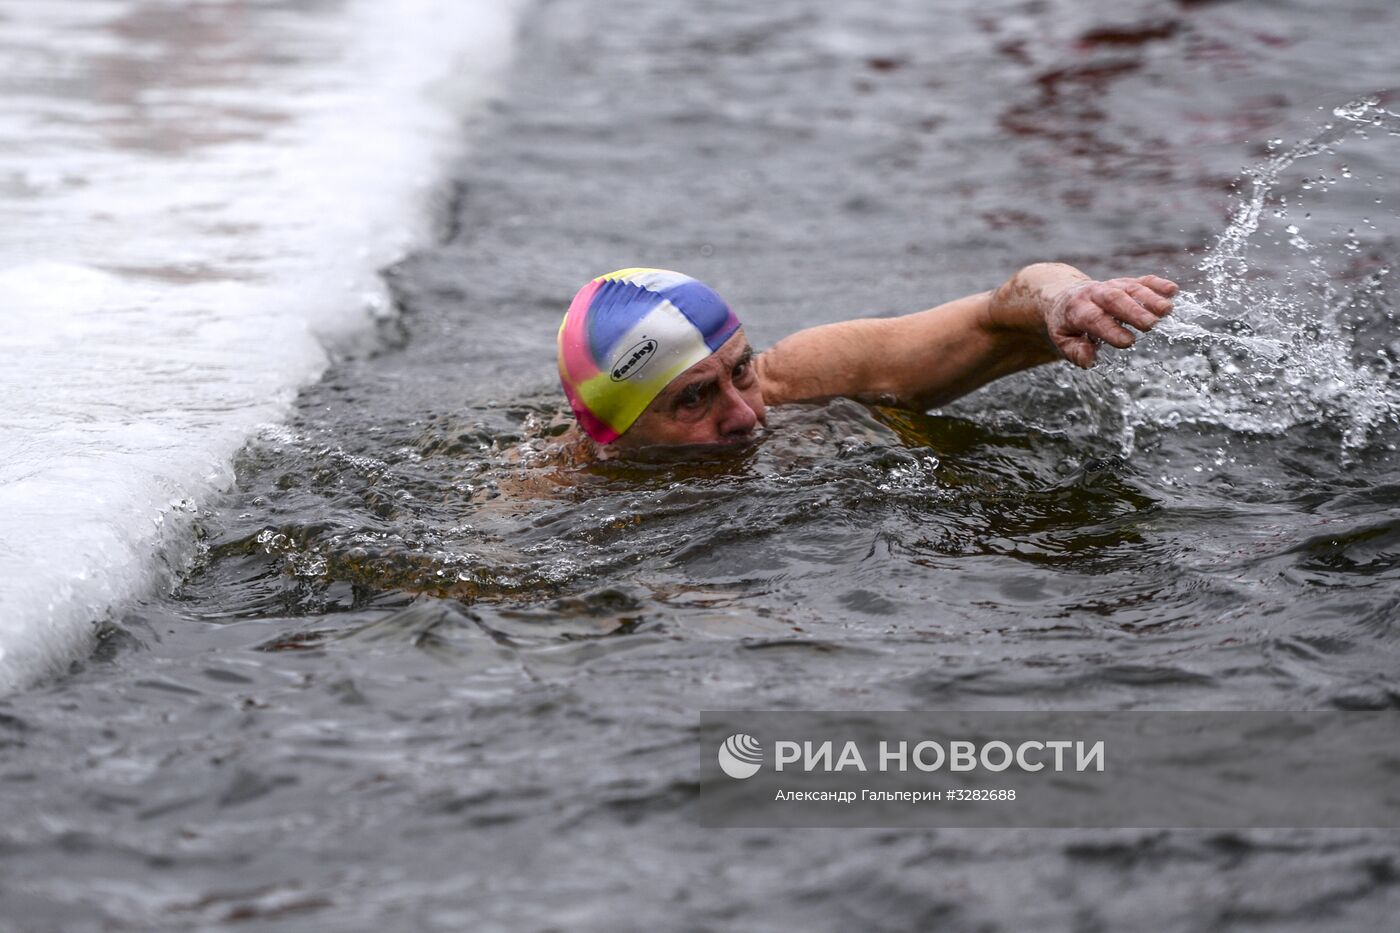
420,680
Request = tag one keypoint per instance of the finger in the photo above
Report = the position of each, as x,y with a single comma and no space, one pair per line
1079,350
1092,320
1110,303
1150,300
1089,355
1165,287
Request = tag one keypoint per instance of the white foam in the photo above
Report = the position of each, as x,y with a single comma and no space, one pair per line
195,199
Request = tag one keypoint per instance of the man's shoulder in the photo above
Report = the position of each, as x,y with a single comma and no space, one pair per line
773,382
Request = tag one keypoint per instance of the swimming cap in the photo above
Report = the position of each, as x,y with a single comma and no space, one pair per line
626,335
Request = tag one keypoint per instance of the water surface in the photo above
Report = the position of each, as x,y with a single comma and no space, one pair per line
415,679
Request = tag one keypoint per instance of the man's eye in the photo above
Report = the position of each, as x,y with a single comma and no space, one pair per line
689,399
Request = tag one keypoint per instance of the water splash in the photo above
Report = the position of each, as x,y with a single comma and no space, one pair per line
1292,323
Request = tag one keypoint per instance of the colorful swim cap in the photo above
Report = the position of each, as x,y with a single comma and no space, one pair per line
626,335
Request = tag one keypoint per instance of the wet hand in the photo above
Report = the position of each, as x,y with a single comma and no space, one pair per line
1089,313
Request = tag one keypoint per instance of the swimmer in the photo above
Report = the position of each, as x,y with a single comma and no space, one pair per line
652,359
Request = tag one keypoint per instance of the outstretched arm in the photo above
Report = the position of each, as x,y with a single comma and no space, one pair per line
1044,312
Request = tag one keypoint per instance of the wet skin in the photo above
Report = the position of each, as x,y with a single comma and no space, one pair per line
1045,312
716,402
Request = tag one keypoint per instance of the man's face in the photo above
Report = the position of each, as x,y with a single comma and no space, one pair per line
716,401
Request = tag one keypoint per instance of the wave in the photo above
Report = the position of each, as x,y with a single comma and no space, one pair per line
1290,318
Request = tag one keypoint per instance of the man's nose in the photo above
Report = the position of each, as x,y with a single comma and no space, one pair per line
737,416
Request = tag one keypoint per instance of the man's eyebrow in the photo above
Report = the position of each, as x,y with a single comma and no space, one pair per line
675,391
